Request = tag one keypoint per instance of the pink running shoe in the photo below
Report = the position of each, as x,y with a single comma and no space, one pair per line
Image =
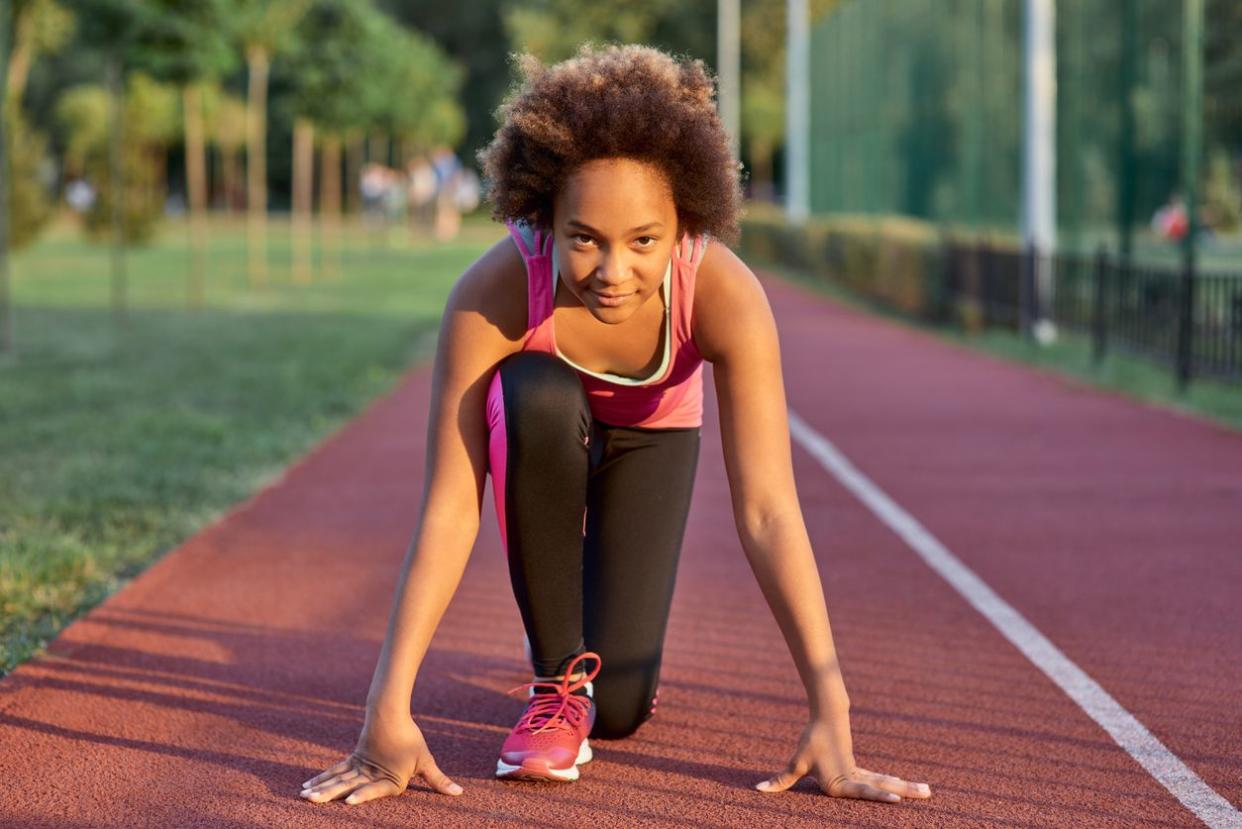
550,740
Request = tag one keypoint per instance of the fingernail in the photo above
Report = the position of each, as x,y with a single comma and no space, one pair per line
892,798
763,786
455,789
924,788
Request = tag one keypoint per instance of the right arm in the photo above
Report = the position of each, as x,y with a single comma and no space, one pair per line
484,320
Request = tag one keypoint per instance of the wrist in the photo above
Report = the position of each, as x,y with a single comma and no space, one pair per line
827,697
387,709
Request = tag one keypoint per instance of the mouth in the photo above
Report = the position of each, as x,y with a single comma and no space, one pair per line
611,300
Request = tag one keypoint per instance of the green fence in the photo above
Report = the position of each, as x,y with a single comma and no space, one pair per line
916,110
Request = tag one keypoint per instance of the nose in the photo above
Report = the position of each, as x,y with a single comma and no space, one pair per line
612,270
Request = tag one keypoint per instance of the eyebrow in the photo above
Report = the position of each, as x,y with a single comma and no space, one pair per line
585,226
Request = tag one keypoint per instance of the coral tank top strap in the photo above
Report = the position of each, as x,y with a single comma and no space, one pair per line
536,249
687,256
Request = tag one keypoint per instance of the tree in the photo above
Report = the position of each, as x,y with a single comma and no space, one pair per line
187,43
27,27
264,27
150,111
38,26
108,25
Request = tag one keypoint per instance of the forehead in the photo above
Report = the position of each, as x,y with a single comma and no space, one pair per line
616,189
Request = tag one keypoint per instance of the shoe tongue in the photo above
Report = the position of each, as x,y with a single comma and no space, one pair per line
585,691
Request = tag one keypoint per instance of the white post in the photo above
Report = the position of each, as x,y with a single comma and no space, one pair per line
1039,156
728,96
798,114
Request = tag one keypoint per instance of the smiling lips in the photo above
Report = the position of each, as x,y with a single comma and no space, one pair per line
611,299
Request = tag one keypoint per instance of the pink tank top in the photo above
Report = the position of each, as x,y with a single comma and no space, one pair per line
673,397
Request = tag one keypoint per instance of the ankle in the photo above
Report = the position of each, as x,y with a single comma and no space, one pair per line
556,678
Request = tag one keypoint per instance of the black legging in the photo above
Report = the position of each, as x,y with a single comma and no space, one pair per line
606,586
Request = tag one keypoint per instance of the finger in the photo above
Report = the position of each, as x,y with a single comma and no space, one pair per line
797,768
322,776
331,791
438,779
332,781
896,785
844,787
371,791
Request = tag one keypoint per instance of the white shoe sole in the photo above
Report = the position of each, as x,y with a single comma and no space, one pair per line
541,772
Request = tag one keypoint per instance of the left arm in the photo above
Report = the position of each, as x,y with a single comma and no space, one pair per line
754,431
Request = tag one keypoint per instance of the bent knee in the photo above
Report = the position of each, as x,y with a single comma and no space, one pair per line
616,727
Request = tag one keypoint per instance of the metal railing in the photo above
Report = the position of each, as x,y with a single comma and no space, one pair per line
1190,321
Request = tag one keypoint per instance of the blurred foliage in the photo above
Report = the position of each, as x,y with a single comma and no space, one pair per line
267,25
896,261
1222,207
152,123
351,67
182,41
226,118
38,27
29,204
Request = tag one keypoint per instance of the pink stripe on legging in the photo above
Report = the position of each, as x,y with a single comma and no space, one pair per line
498,452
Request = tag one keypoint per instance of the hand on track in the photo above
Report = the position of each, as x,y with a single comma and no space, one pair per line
826,751
389,753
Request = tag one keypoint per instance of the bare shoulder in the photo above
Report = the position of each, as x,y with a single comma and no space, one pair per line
729,304
493,289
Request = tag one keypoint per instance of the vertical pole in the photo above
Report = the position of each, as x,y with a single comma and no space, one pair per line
7,340
973,161
116,182
1099,332
728,24
1075,75
1039,175
1126,167
797,172
1192,136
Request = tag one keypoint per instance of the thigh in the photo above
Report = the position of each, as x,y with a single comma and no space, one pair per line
638,496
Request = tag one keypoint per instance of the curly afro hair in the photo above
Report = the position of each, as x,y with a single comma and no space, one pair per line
608,102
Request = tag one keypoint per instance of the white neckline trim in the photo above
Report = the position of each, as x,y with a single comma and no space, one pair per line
668,333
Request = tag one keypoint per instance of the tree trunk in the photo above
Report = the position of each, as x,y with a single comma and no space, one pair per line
116,186
258,62
19,59
7,340
353,171
196,189
228,161
303,179
330,204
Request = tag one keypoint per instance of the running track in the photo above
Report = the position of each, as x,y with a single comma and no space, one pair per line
208,689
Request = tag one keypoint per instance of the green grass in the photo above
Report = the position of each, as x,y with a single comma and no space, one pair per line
1069,355
118,444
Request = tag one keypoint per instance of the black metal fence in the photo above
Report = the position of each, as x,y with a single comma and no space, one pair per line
1188,320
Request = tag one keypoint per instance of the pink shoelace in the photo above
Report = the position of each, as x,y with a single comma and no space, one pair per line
559,708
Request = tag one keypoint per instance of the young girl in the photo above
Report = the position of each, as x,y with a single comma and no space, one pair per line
569,365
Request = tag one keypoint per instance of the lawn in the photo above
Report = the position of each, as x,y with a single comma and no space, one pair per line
116,444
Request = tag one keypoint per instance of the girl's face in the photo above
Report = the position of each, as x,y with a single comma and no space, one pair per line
615,226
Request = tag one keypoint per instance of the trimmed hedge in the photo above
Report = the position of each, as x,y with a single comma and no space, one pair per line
910,265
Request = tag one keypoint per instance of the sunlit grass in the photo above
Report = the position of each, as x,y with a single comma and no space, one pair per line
117,443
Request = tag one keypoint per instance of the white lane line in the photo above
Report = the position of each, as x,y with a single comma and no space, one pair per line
1120,724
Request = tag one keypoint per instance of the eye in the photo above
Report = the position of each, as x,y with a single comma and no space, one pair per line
581,238
651,240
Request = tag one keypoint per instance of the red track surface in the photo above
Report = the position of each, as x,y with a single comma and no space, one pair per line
208,689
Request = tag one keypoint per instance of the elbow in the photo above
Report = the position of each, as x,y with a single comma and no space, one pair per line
758,522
